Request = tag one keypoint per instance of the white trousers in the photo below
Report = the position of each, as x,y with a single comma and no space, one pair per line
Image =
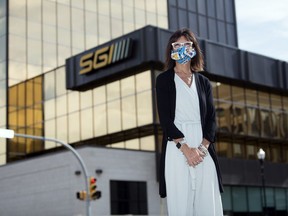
191,191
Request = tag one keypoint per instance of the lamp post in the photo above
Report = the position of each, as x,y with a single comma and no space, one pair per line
261,157
5,133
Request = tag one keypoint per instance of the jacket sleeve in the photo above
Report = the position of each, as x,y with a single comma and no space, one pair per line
210,119
165,106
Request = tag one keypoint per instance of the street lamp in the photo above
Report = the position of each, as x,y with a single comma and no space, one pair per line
9,134
261,157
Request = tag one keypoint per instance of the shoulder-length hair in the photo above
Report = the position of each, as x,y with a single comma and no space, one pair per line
197,62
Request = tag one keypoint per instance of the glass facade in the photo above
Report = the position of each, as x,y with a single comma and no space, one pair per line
118,106
25,114
250,201
244,112
42,34
209,19
3,75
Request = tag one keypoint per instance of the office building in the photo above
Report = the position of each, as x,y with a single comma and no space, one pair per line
84,72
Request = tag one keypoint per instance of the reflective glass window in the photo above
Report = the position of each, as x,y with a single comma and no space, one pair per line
86,99
132,144
239,123
62,128
17,8
239,199
118,145
17,49
49,85
50,131
59,79
238,150
144,108
74,127
100,120
280,199
99,95
49,110
251,150
128,108
254,199
113,91
63,21
74,101
61,105
49,13
114,116
270,195
86,123
227,199
223,111
3,119
147,143
224,149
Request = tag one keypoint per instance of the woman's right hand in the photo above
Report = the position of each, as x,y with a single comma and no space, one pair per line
193,155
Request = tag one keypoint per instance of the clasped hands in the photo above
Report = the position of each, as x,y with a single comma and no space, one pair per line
193,155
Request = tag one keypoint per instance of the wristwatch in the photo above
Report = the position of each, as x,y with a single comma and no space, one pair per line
180,143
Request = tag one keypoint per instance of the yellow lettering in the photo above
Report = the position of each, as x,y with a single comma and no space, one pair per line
102,57
85,63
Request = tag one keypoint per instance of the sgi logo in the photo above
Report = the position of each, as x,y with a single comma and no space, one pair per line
105,56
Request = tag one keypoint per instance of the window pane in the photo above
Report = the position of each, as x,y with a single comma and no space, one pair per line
226,199
254,199
224,149
49,85
239,199
86,99
143,81
61,128
113,91
86,124
100,120
280,199
144,108
73,101
270,197
129,112
50,131
61,105
147,143
74,127
99,95
132,144
114,116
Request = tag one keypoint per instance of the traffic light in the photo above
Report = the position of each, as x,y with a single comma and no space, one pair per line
94,194
93,188
81,195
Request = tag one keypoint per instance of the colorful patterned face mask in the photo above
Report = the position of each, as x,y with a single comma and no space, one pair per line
183,54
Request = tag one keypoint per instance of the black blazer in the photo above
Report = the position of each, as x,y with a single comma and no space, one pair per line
166,104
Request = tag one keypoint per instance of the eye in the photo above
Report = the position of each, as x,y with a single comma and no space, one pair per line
188,44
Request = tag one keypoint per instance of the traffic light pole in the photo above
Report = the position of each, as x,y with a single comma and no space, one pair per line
69,147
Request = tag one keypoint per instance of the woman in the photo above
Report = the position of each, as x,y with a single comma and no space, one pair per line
189,170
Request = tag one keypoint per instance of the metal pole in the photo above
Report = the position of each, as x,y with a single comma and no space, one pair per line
263,186
79,158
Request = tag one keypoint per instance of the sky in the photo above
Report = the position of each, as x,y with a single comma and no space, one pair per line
262,27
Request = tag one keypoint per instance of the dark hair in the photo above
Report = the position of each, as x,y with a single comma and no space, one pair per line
197,63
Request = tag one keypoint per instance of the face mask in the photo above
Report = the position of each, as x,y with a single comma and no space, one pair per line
183,54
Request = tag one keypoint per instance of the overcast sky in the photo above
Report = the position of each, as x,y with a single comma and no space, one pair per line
262,27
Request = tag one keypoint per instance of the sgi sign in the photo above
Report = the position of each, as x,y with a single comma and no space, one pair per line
84,69
105,56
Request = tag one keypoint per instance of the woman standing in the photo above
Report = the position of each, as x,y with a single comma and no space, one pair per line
189,170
